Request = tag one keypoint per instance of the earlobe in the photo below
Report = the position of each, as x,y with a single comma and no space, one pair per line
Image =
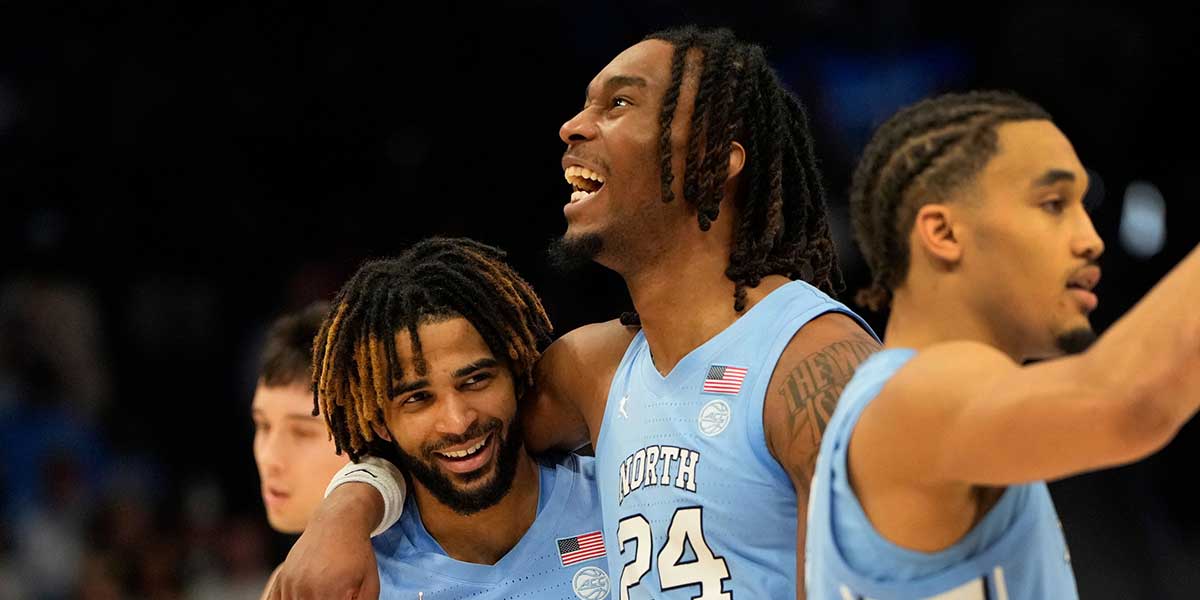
934,230
737,160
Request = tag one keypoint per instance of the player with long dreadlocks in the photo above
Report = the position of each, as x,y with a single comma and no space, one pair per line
694,177
422,359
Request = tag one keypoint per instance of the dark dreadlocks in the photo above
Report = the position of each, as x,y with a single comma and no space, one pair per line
921,155
784,226
354,356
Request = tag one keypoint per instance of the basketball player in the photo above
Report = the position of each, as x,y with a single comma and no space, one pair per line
293,452
930,483
422,359
693,176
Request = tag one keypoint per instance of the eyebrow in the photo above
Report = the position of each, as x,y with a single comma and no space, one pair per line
483,363
615,82
1052,177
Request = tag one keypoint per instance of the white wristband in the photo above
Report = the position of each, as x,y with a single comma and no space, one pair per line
381,475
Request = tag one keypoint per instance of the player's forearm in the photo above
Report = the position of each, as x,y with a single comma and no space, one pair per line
1144,356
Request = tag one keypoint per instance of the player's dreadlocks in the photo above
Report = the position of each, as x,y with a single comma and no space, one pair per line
921,155
354,355
784,226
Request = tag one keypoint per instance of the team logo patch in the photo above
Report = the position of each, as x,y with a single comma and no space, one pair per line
714,417
590,583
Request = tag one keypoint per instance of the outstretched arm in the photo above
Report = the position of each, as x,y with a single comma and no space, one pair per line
964,413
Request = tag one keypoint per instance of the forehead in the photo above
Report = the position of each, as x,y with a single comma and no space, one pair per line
1028,150
649,60
453,341
283,398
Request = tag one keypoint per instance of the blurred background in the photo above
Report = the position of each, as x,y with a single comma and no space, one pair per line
173,176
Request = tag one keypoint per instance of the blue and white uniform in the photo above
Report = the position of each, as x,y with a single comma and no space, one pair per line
560,557
1017,552
695,505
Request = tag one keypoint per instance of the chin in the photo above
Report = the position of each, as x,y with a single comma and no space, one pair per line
286,525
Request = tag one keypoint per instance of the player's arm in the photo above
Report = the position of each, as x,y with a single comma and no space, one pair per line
963,412
571,381
334,557
803,392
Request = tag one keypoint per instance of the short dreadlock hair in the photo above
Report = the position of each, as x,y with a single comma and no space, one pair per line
784,222
354,356
922,154
287,354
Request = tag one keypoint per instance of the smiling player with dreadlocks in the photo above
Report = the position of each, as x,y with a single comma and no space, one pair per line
694,178
422,359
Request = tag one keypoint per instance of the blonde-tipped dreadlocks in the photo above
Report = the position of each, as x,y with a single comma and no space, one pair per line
354,354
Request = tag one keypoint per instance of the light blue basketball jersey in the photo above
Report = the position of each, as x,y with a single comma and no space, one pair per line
1016,552
557,559
695,505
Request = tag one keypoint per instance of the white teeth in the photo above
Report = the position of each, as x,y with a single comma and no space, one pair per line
467,452
578,195
573,173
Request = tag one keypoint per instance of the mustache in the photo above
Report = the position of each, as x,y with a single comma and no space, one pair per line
474,431
585,157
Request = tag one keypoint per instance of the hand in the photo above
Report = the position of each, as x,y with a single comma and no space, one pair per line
334,559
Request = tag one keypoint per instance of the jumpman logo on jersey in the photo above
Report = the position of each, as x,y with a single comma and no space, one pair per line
621,407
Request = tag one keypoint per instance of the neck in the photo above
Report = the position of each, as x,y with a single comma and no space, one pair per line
486,536
939,315
684,299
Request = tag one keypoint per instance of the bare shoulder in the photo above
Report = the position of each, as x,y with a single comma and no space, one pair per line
596,343
586,357
941,369
571,385
808,379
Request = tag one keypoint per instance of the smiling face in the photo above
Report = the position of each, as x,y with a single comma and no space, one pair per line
293,452
615,207
1031,250
455,426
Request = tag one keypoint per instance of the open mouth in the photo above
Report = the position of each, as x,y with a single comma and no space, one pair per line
467,459
584,182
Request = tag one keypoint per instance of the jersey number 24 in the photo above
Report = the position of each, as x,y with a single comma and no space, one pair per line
707,571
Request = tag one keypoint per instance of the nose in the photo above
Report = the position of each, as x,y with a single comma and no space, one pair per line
1087,243
457,415
269,451
579,128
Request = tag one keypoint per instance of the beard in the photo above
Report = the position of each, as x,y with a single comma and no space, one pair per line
568,254
446,491
1076,340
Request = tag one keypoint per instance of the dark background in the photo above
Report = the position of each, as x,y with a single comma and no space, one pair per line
174,176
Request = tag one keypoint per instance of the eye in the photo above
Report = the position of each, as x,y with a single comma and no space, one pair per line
1055,206
262,426
415,398
621,101
303,434
477,381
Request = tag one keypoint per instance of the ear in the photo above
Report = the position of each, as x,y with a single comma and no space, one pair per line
382,431
737,160
933,231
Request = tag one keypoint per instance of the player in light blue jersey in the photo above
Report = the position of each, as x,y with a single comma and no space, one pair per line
694,177
422,359
970,209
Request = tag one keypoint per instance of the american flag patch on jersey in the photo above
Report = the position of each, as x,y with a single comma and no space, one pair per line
579,548
723,379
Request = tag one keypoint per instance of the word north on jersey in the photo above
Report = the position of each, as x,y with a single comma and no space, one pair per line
659,465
